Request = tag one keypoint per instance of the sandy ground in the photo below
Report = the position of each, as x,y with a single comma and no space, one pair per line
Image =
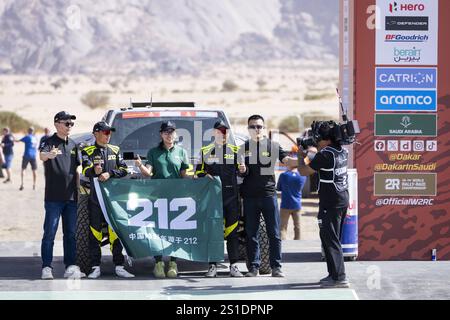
273,91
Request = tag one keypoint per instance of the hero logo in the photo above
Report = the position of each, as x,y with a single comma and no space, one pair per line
394,6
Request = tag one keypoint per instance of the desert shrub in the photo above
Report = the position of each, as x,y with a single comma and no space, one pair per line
289,124
319,96
15,122
229,85
261,83
95,99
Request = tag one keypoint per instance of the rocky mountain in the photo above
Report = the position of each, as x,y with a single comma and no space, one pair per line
146,36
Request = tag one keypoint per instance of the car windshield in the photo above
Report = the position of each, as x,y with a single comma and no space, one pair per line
140,134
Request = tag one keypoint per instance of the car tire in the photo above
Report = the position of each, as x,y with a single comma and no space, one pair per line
82,233
263,238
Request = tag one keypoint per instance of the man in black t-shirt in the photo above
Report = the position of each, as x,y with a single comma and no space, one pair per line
331,163
61,161
259,195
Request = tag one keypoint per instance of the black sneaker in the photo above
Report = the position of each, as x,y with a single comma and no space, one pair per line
253,272
336,284
276,272
326,279
344,283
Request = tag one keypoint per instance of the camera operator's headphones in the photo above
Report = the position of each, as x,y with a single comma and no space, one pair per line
324,130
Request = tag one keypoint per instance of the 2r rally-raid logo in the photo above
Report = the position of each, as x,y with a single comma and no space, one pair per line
394,6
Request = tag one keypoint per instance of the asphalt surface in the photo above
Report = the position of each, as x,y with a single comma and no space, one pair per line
20,267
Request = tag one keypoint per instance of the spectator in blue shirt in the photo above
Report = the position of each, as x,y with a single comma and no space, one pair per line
290,183
29,155
8,152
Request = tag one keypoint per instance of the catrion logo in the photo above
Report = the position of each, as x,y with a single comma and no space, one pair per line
394,6
406,38
406,23
403,78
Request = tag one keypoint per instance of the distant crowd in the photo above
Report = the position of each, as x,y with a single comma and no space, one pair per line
29,156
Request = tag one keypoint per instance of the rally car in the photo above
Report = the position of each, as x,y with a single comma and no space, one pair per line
137,130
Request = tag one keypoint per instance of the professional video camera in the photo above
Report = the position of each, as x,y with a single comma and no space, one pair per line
341,133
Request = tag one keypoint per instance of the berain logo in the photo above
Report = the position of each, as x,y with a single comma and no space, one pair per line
394,6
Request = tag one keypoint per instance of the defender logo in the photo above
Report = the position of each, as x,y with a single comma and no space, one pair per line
406,23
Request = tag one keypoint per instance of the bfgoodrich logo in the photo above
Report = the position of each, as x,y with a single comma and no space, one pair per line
406,38
406,23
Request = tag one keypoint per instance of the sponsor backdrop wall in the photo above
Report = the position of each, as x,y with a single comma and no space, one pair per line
395,75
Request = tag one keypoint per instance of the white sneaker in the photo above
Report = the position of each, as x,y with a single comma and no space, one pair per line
47,273
95,273
74,272
122,273
234,271
212,271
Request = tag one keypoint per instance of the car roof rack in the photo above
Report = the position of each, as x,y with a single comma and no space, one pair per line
162,104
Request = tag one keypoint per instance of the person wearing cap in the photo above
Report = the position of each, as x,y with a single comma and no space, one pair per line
166,161
103,161
29,155
61,160
7,144
222,159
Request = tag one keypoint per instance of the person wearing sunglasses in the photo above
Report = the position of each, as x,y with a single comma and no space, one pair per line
165,161
258,191
103,161
61,161
222,159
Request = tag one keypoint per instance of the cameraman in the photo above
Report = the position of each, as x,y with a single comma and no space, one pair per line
331,164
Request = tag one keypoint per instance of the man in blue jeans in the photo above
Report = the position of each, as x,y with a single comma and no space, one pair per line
259,194
61,161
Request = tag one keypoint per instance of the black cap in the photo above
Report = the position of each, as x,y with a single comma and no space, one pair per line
167,125
63,115
102,126
220,124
